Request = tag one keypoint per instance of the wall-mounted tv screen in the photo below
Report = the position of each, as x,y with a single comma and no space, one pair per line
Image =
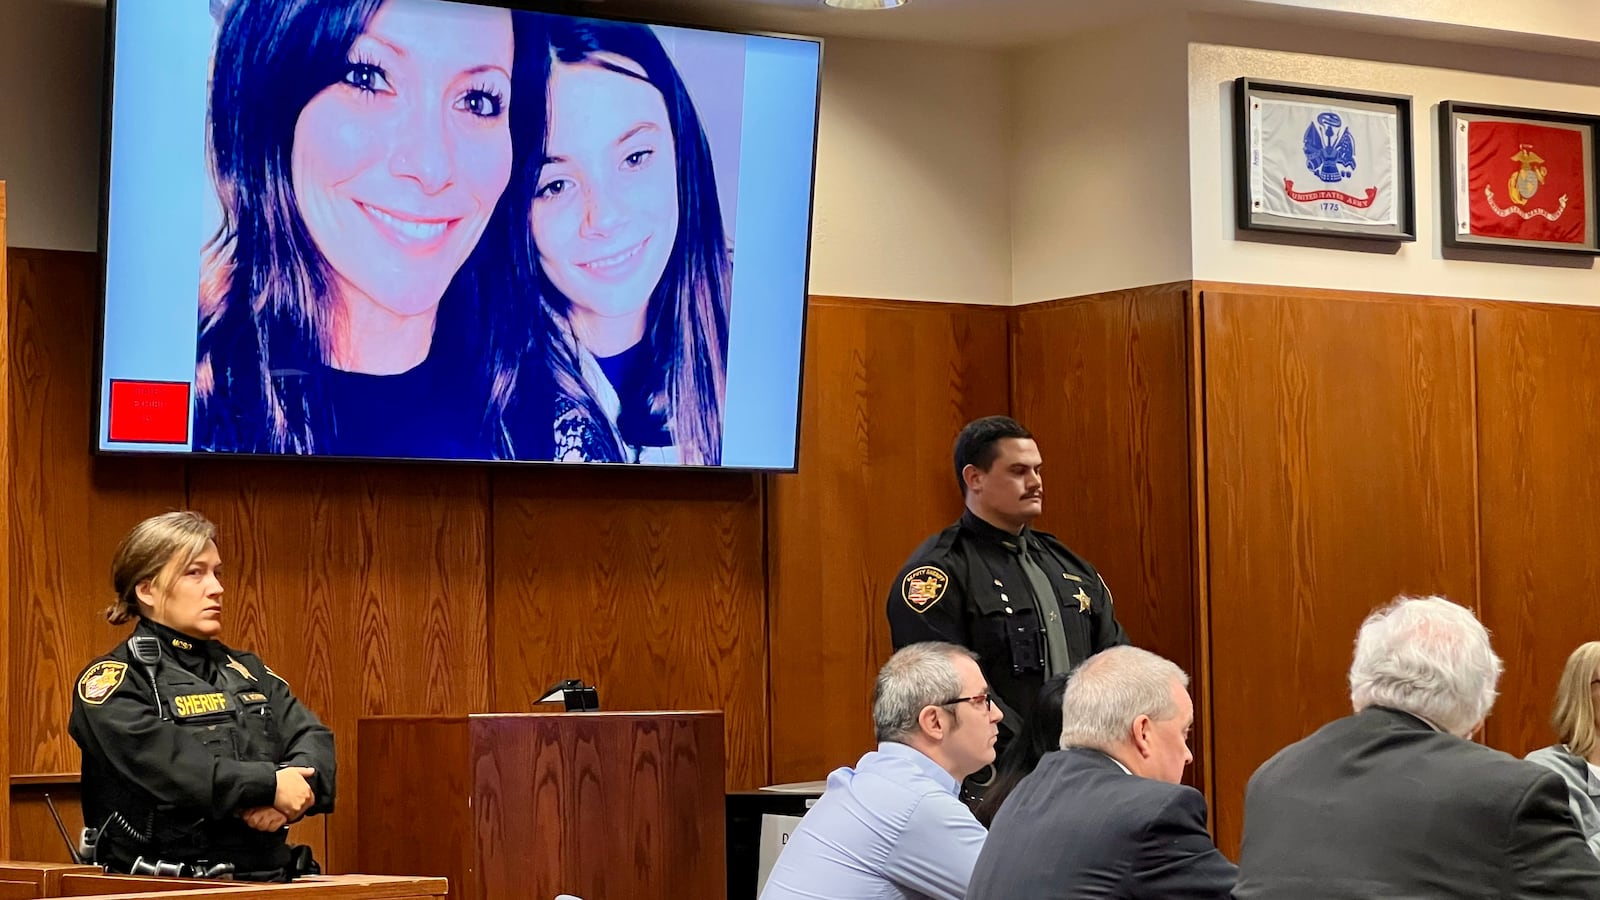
422,229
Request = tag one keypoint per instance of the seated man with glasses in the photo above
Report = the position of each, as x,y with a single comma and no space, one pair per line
893,826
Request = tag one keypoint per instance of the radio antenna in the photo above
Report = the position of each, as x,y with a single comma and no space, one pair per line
72,848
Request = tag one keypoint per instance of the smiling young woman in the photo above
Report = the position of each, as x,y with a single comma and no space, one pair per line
622,246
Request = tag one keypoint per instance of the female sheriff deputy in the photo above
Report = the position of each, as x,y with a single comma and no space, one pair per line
196,756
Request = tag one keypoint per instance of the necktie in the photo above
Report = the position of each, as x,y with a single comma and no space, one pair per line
1057,659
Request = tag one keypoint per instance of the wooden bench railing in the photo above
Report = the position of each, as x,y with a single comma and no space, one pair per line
35,880
43,881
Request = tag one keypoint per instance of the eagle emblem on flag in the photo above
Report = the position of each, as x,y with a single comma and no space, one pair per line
1525,181
1330,153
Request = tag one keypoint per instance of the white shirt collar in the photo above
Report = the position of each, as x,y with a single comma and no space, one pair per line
1105,754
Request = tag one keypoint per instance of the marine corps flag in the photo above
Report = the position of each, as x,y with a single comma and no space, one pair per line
1523,181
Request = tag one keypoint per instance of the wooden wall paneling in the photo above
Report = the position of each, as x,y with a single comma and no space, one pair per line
7,491
362,585
33,832
68,509
1538,427
1102,382
1203,740
646,584
887,387
1340,474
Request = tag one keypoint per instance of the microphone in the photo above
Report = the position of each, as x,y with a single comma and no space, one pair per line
577,696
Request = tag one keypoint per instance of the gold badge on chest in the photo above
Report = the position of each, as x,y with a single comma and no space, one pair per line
237,666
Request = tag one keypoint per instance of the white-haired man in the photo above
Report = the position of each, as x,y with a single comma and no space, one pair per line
894,827
1396,800
1106,817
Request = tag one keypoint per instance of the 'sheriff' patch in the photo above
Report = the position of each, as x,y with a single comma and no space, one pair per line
923,586
101,681
189,706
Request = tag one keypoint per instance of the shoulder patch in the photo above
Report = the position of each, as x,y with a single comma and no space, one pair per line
923,586
100,681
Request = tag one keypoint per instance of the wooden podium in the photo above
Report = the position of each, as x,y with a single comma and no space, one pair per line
602,806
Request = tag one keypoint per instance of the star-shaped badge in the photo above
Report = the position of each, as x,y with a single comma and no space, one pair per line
237,666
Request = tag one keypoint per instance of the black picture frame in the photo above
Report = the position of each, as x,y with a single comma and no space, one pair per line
1455,229
1248,208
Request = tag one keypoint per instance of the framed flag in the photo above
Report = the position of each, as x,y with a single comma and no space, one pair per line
1324,161
1517,178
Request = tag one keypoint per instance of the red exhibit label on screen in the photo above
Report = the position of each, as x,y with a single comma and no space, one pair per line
149,411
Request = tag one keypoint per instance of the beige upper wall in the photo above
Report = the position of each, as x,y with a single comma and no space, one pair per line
967,175
912,160
1523,21
1100,178
1416,268
50,63
913,174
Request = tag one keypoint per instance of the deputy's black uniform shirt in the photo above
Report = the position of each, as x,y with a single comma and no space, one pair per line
966,586
178,775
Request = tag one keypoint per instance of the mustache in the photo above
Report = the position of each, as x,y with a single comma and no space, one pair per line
1033,495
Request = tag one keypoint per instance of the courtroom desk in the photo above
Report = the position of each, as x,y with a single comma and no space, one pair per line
21,880
42,878
315,887
745,809
601,805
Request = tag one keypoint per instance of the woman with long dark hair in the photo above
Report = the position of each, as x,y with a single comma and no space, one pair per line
359,148
1041,734
623,241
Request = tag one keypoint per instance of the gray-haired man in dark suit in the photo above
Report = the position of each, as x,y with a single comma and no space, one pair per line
1396,801
1106,817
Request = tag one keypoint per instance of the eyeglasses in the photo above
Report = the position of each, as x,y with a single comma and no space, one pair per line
982,698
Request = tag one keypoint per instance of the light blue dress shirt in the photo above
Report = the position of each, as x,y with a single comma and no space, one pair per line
892,828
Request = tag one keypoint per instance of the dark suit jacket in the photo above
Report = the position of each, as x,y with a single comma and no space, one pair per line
1380,805
1079,827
